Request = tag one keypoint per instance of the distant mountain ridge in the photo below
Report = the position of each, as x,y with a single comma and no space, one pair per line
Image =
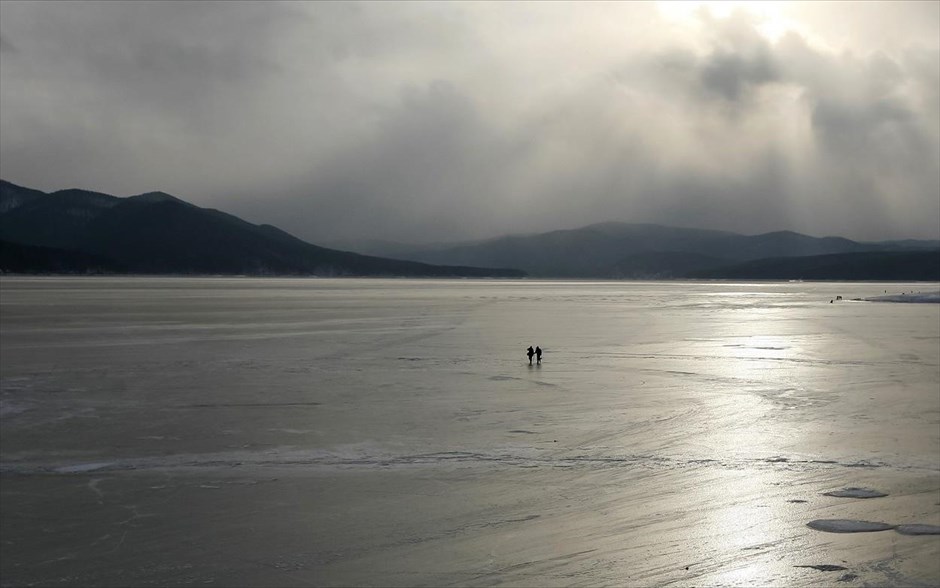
867,265
645,251
78,231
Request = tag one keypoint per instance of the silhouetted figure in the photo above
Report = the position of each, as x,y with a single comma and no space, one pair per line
538,354
530,353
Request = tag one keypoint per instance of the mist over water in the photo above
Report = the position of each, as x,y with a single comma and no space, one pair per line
392,432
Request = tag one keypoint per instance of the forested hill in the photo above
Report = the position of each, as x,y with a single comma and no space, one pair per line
77,231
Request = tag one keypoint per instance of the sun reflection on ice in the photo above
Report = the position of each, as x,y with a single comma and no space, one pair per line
745,533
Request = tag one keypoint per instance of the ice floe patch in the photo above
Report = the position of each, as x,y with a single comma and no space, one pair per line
855,493
848,526
918,529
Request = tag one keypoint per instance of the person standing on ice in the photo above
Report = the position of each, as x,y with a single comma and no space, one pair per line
530,353
538,355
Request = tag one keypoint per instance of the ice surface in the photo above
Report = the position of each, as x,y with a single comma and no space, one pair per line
160,431
855,493
847,526
8,408
83,467
918,529
912,296
825,567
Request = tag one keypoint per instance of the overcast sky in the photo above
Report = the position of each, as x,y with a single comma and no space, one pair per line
446,120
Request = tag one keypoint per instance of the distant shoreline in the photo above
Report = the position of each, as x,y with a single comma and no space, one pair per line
468,278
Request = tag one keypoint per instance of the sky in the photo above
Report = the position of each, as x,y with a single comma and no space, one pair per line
444,121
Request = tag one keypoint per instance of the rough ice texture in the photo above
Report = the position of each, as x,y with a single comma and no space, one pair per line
370,432
855,493
847,526
10,408
918,529
83,467
825,567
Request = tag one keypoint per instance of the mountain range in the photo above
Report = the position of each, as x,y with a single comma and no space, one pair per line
645,251
77,231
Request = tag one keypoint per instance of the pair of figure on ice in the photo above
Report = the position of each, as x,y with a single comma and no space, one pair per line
537,353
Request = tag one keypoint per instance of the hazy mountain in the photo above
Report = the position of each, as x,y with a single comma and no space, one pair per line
907,245
662,265
82,231
623,250
868,265
158,233
381,247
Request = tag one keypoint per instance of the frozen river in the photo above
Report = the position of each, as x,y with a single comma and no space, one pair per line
300,432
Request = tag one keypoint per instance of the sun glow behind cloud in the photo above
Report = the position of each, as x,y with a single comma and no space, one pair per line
469,120
770,17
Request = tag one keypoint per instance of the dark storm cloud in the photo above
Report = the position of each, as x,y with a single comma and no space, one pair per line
134,96
430,166
729,75
421,121
738,59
